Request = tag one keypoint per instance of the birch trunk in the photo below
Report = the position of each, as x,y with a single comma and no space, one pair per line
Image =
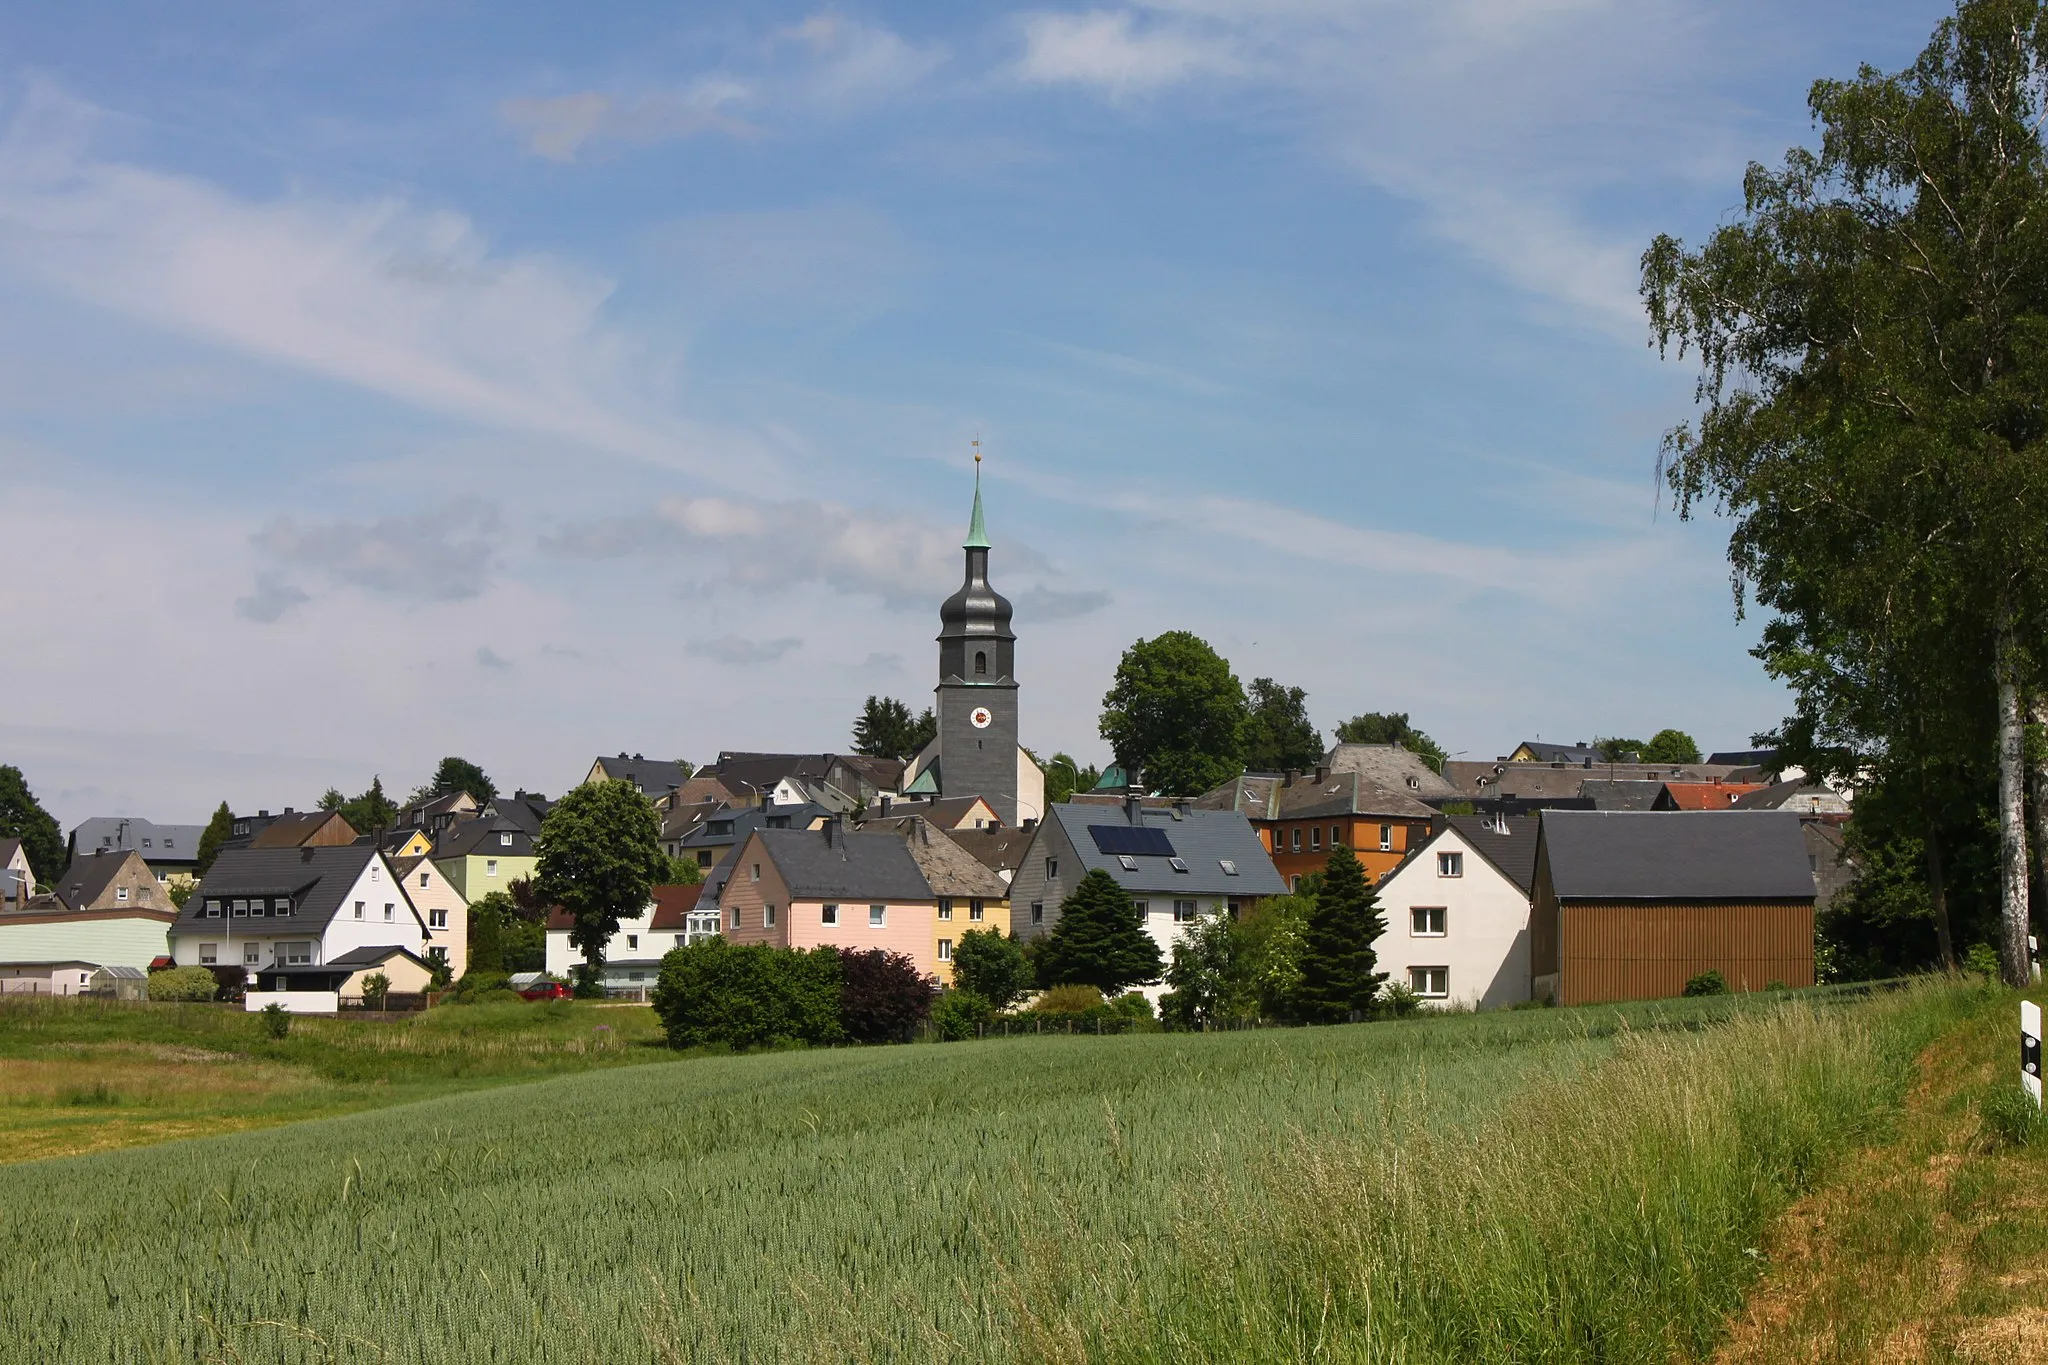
2040,711
2012,807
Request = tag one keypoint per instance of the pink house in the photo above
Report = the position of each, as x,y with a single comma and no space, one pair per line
803,888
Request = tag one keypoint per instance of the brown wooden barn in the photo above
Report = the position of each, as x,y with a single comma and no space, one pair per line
1630,905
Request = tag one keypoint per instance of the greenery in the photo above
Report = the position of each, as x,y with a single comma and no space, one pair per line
376,989
1337,959
218,831
1567,1185
456,775
1277,733
23,817
600,857
744,995
992,965
1064,777
1709,982
1671,746
180,890
182,983
504,937
1872,421
1202,976
885,728
277,1021
684,870
959,1015
1616,749
882,996
370,813
1100,939
1392,727
1178,712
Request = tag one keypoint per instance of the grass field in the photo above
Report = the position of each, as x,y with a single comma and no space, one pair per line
1555,1185
80,1075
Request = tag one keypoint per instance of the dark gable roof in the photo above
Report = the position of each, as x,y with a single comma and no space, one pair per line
852,867
317,879
371,956
1624,794
292,829
167,843
1000,850
1676,855
746,819
1514,852
1202,839
654,776
480,837
7,847
86,880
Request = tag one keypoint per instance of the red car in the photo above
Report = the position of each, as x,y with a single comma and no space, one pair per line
540,987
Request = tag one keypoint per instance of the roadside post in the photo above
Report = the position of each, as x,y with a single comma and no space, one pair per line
2030,1049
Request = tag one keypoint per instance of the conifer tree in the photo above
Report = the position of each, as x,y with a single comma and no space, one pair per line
1337,958
218,831
1100,940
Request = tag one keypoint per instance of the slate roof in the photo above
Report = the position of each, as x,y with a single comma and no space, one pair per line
1390,768
524,809
760,772
824,865
745,820
948,869
999,850
944,811
1203,839
1514,852
317,879
167,843
370,956
479,838
1747,758
655,776
1539,780
1261,796
1557,753
86,880
1802,796
1676,855
1626,794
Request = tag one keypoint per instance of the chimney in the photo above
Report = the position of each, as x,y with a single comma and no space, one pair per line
835,833
1322,774
262,815
885,803
288,810
1293,776
1134,796
1182,805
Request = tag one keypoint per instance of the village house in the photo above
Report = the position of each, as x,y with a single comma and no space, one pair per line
442,907
299,907
292,829
713,841
1000,849
172,851
74,977
1301,817
17,878
1178,862
1457,912
794,888
968,895
1630,905
949,813
108,910
484,855
632,956
651,777
322,987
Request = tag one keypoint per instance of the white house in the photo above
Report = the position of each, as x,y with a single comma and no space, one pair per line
1178,863
632,957
17,879
296,907
1457,911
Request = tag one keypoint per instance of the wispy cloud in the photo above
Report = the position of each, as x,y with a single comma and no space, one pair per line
1116,51
565,127
271,599
742,652
441,555
851,63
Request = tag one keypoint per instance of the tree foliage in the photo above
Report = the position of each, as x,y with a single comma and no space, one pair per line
1391,727
1203,976
993,966
1671,746
715,992
882,996
1337,957
370,813
1618,749
1873,408
885,729
599,857
218,831
1177,711
458,775
23,817
1099,941
1064,777
1277,733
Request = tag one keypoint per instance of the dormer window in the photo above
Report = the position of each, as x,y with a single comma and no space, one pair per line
504,841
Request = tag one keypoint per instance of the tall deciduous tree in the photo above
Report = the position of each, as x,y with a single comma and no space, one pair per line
1619,749
1874,404
1100,940
218,831
1337,957
1277,734
461,775
1671,746
1391,727
1178,712
1064,777
23,817
600,856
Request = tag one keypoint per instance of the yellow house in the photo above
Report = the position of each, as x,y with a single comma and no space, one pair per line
408,844
969,895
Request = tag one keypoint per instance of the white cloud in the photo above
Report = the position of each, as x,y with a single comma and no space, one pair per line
851,63
441,555
564,127
741,652
1114,51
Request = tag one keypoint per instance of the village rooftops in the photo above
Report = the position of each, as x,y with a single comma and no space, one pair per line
831,864
1676,855
158,844
315,880
1155,849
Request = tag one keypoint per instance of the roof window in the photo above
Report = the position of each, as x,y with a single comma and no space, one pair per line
1229,867
1178,864
1130,863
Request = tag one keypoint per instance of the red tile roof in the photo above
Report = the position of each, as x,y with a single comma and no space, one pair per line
1709,795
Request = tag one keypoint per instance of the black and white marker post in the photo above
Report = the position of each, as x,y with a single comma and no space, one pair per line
2030,1049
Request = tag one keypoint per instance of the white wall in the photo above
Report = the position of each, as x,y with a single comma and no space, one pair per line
374,886
1486,922
562,957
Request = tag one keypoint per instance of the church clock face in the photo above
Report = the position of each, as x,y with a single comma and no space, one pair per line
981,717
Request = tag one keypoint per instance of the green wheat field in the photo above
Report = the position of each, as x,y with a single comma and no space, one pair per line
1560,1185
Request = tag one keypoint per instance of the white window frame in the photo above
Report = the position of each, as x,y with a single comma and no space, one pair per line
437,919
252,954
632,940
878,917
1450,863
389,908
1038,912
1420,980
120,893
490,867
767,916
945,907
1386,838
945,950
209,954
1419,917
976,910
504,839
828,914
1294,840
1186,912
1315,839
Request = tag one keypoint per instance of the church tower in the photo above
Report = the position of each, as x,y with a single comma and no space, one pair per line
977,691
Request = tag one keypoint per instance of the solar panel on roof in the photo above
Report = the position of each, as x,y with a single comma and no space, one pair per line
1142,840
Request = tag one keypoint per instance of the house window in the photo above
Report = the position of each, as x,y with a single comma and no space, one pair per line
490,867
1183,912
980,663
283,904
1052,868
1450,864
757,872
945,950
703,857
504,841
735,917
251,955
387,912
241,909
359,909
1386,838
1294,839
1038,912
374,874
945,907
1234,905
1426,921
295,954
1228,865
120,893
632,940
423,879
1315,839
209,953
878,916
828,914
1144,908
1431,983
1294,882
437,919
438,956
682,939
974,909
1127,862
213,909
1178,864
1336,835
145,843
767,917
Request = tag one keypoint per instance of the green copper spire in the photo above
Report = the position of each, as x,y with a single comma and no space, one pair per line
977,529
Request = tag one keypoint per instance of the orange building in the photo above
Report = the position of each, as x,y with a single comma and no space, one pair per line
1300,818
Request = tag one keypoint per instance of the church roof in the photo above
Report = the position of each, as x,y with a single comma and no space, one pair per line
977,529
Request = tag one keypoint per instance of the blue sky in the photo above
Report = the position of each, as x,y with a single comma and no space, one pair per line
534,382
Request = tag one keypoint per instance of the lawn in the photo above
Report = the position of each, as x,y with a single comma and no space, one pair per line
83,1075
1545,1185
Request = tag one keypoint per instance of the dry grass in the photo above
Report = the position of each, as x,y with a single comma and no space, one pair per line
1932,1247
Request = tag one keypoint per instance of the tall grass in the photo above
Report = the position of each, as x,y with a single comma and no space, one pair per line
1557,1185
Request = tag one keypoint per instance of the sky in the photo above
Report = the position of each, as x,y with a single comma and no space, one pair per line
379,382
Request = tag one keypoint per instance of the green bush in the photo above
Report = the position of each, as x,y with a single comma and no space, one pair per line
1399,1000
992,966
1708,982
376,990
960,1014
1066,1000
277,1021
716,992
1133,1004
183,983
475,984
1982,959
